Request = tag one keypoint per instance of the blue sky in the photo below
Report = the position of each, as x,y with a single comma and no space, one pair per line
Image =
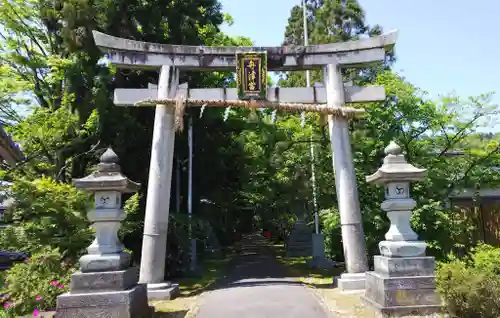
443,46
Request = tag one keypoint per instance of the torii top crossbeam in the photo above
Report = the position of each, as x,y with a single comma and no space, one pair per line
126,53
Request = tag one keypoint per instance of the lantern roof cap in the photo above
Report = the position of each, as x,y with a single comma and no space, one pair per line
395,168
107,176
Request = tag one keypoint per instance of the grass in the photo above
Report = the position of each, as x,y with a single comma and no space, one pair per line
182,307
191,287
212,270
321,283
298,268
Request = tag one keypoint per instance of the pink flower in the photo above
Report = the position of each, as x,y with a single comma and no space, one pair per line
38,297
60,286
35,312
6,305
54,283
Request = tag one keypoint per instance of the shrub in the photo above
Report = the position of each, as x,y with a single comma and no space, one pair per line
35,284
470,287
330,219
487,258
46,212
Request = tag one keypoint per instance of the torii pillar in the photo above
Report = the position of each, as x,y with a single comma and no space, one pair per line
153,258
353,239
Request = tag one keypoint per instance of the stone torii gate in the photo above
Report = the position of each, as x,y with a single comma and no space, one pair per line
331,100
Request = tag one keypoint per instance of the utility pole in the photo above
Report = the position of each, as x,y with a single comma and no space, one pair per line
192,264
311,144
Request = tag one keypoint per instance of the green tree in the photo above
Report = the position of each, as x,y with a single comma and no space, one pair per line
329,21
48,57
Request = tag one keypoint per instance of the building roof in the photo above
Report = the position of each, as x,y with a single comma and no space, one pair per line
469,193
9,150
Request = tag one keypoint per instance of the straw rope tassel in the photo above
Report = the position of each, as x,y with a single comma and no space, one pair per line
180,108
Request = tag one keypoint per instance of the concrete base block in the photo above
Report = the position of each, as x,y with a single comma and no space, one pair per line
104,281
166,291
402,248
405,266
130,303
348,281
401,291
401,311
105,262
402,286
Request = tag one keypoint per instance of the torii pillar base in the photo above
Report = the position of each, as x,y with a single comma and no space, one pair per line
163,291
350,281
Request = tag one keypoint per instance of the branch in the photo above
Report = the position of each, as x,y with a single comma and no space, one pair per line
28,30
93,149
443,130
292,143
472,165
44,150
419,132
17,69
455,139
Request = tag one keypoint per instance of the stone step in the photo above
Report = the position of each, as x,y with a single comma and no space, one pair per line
300,233
298,245
300,239
299,249
298,253
309,241
299,242
301,229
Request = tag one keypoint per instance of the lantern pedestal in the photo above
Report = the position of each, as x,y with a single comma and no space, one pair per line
402,286
105,294
105,262
402,248
403,282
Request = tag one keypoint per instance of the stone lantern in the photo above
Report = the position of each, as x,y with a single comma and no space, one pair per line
403,281
106,285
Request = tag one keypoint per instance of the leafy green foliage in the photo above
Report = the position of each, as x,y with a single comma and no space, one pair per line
470,287
47,213
48,57
52,141
133,219
485,258
330,21
36,283
428,131
330,219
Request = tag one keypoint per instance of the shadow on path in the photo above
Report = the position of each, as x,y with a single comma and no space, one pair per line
258,286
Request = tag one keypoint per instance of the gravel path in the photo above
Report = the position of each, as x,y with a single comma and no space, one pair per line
258,287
